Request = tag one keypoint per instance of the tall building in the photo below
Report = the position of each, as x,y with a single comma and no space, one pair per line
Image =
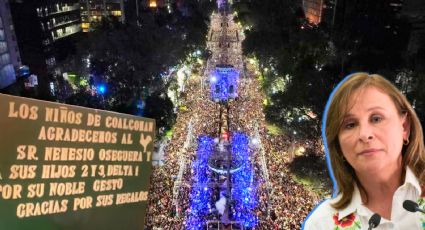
136,9
313,10
337,12
58,19
415,11
10,59
93,11
46,31
156,3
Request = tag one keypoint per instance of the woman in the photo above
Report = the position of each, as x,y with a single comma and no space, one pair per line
375,147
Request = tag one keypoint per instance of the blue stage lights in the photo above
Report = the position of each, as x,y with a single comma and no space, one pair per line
243,193
101,89
201,194
223,83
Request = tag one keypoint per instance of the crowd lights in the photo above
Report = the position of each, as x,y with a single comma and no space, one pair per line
200,195
243,192
225,136
244,196
213,79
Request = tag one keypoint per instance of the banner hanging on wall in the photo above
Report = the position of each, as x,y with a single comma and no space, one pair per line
69,167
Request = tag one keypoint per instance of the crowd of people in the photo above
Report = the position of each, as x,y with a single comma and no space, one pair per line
282,202
285,203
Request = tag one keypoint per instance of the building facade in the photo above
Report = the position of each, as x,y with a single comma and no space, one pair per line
10,60
313,10
46,31
58,21
93,11
415,11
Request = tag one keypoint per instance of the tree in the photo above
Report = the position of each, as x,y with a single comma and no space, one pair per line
130,60
310,60
160,107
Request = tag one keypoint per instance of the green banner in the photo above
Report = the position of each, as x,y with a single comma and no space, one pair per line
69,167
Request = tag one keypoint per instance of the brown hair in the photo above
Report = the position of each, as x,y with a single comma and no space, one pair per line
413,154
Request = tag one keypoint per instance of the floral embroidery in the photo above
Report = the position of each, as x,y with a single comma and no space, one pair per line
421,203
347,223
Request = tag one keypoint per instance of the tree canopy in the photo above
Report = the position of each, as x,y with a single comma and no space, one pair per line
301,63
130,60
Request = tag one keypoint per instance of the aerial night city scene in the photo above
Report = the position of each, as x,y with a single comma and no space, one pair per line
212,114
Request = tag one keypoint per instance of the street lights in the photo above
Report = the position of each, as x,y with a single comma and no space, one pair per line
101,89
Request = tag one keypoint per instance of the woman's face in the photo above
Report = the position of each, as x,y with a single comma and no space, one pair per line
372,132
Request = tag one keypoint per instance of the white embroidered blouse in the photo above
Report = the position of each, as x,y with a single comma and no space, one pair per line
356,216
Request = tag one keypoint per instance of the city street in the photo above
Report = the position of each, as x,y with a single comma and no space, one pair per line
280,203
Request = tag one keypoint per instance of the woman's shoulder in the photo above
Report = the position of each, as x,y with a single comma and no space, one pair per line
321,217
